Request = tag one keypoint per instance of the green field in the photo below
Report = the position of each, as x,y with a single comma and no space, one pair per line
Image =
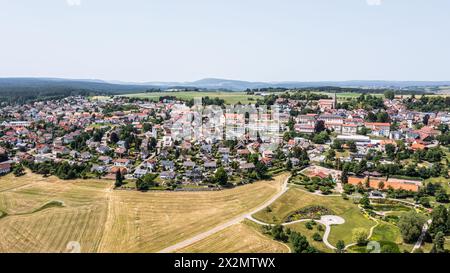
296,199
229,97
385,234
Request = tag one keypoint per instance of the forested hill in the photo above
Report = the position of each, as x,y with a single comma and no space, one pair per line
18,90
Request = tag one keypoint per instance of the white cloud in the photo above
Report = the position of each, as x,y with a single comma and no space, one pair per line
73,3
374,2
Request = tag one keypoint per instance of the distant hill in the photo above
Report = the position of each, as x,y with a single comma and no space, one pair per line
19,90
235,85
42,84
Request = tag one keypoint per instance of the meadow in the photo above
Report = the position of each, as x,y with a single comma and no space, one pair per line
46,214
228,97
240,238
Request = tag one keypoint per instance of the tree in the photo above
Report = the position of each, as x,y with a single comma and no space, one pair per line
438,243
411,225
321,138
365,202
442,196
349,188
340,246
278,233
119,179
371,117
444,128
261,170
18,170
344,177
144,183
426,119
331,156
221,176
390,95
317,237
383,117
352,146
364,131
440,222
289,165
390,150
152,143
319,127
300,243
114,138
360,236
425,201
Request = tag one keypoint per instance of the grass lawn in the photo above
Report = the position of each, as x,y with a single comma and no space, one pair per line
447,243
229,97
347,96
296,199
385,234
240,238
441,180
301,228
103,220
444,182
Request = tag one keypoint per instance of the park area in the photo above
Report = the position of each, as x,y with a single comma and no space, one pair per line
296,199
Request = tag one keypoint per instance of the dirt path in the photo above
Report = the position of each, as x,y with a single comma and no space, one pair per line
230,223
109,218
372,229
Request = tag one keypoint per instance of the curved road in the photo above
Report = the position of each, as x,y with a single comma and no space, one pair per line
228,224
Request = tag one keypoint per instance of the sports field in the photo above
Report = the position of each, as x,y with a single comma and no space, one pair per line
46,214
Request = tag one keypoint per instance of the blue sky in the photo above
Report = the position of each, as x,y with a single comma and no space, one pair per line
257,40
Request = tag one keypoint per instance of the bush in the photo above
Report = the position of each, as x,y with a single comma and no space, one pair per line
317,237
360,236
390,249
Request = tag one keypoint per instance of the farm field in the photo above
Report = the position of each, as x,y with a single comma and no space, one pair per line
240,238
45,214
229,97
296,199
